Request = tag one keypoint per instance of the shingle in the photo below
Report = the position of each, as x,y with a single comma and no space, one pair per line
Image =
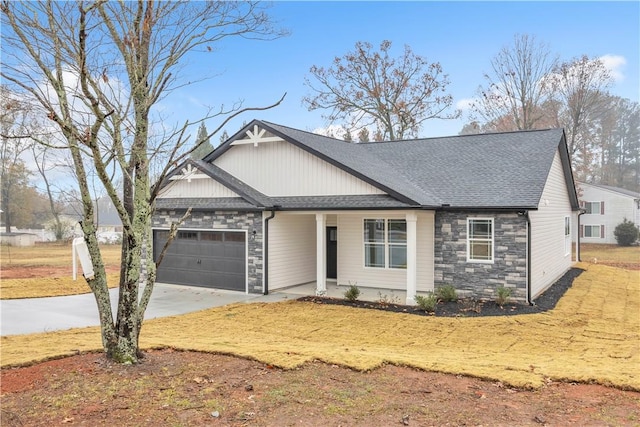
486,170
204,203
249,193
372,201
366,164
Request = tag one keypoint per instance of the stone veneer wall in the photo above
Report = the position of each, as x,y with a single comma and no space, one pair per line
479,280
223,220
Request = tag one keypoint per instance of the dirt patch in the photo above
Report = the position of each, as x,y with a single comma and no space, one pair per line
191,388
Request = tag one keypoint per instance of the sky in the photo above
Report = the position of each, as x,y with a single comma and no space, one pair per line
462,36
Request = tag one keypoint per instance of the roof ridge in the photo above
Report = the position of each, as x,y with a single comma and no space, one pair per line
458,136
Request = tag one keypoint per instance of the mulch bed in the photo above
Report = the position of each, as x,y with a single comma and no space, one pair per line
466,307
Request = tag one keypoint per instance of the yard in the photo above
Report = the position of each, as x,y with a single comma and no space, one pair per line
311,364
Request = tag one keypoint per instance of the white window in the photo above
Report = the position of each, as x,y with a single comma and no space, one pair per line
385,243
567,235
592,231
593,208
480,239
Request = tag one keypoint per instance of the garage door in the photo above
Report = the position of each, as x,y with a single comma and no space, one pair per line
213,259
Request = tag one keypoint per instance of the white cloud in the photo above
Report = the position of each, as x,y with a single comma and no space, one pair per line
465,104
334,131
614,63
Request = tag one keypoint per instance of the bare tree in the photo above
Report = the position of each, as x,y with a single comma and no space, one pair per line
97,69
616,145
14,175
516,87
370,88
579,93
42,155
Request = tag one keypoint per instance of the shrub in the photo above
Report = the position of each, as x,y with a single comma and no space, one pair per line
427,302
502,295
626,233
385,299
447,293
352,293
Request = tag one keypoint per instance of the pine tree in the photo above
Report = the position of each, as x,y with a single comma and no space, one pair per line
203,143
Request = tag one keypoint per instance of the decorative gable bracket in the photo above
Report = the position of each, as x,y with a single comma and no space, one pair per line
255,137
189,172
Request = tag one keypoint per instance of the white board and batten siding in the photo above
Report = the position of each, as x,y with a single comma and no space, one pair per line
202,187
292,250
351,269
614,207
278,169
549,257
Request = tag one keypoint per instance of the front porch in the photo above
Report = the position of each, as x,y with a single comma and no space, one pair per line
322,253
333,290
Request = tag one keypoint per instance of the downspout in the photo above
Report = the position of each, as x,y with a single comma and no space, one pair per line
525,214
580,213
265,252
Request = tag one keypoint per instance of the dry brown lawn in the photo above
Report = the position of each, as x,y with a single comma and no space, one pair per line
45,270
613,255
49,254
592,336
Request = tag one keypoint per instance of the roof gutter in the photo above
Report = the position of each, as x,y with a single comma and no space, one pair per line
519,209
265,251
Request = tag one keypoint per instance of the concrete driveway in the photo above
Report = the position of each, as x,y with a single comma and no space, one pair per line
33,315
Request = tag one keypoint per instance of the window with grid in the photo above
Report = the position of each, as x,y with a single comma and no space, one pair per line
480,239
385,243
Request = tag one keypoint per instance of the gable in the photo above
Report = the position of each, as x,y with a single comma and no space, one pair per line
278,168
192,182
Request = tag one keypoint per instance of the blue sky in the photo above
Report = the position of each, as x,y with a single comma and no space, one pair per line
462,36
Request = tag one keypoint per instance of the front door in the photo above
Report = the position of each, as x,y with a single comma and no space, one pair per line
332,252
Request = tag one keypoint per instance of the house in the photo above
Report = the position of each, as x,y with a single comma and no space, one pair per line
274,207
605,207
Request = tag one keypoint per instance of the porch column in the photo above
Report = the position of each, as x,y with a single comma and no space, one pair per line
412,248
321,254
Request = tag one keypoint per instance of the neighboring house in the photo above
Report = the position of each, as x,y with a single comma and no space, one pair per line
605,207
275,207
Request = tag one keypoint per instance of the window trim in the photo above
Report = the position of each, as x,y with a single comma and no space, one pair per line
589,210
491,240
597,236
387,244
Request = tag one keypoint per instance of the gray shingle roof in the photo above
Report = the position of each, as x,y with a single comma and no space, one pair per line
362,163
505,170
502,170
204,203
248,193
372,201
488,170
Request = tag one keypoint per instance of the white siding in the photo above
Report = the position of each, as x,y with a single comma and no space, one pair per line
202,187
282,169
548,259
351,267
426,227
617,207
292,250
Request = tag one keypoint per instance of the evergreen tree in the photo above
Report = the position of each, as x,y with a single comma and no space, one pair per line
203,142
